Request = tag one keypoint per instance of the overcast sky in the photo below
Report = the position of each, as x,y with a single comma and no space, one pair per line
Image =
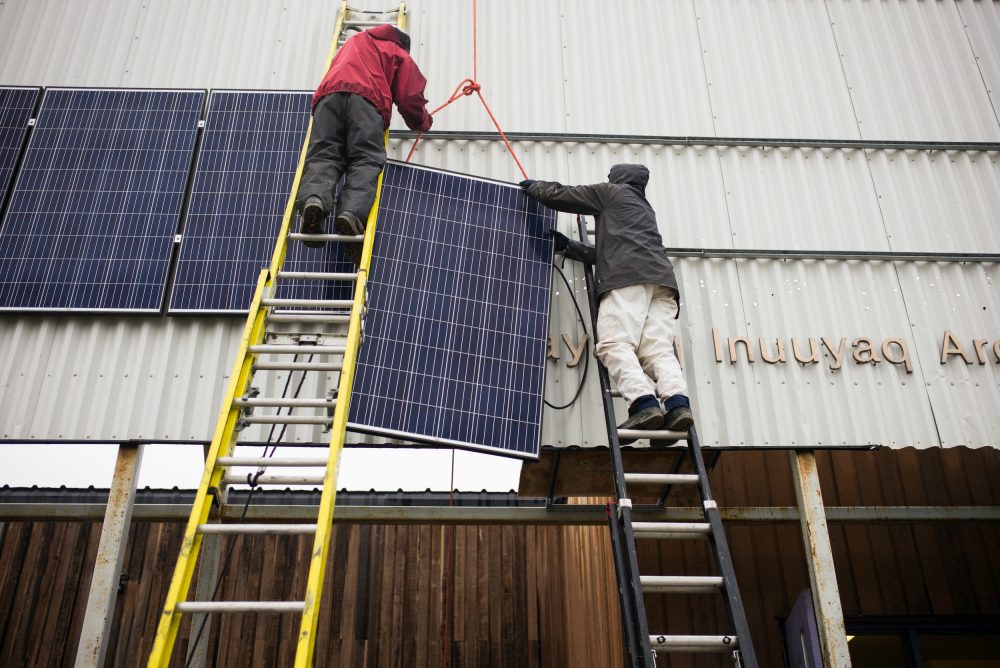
165,466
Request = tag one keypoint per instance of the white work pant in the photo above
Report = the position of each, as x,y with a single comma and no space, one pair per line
635,341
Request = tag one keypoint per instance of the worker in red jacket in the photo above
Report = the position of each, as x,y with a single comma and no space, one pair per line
351,111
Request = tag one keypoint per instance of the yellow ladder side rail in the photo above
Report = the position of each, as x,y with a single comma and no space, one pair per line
222,440
324,520
328,498
224,436
281,248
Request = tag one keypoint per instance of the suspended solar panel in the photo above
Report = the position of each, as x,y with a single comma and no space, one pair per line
455,337
246,166
97,201
16,107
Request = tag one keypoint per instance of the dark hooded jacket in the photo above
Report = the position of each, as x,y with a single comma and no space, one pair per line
376,65
629,249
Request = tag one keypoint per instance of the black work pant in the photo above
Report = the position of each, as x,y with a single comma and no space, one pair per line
347,140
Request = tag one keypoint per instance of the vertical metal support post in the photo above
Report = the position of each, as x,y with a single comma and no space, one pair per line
208,575
819,557
110,557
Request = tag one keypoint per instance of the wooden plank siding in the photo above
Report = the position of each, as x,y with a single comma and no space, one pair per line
513,596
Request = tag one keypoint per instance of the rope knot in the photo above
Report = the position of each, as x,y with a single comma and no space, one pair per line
470,87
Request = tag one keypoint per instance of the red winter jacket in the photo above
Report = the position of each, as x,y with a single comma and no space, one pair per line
376,65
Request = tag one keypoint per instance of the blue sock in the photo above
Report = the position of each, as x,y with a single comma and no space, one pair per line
642,403
676,401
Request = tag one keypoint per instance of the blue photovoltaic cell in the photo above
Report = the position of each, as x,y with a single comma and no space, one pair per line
16,105
244,174
97,200
455,338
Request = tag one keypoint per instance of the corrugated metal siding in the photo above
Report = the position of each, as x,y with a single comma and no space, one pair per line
912,71
948,201
772,70
634,67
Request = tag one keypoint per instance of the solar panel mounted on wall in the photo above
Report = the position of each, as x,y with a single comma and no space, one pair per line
246,166
16,107
455,338
97,201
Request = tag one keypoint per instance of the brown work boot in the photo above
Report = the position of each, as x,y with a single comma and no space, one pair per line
313,217
348,224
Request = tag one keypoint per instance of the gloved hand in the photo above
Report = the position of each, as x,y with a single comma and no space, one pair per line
560,239
527,183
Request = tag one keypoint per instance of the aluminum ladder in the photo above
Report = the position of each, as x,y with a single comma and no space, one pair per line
642,646
279,332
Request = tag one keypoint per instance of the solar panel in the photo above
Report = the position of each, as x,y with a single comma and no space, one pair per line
16,106
246,166
97,201
455,337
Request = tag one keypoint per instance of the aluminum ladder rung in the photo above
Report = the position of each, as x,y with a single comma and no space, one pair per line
264,529
316,276
365,24
232,478
661,478
655,434
694,643
681,584
309,317
240,606
344,304
283,402
349,238
271,461
298,366
671,529
286,419
291,349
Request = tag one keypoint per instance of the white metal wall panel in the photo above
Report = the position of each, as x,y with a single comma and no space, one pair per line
912,72
520,56
940,201
231,44
634,67
773,70
812,403
59,43
963,299
801,199
982,24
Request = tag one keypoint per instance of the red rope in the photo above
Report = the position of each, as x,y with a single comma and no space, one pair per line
468,87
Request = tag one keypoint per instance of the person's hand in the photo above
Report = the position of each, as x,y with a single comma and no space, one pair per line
561,240
527,183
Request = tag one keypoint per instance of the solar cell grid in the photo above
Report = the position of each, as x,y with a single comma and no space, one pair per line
16,107
246,167
97,200
458,308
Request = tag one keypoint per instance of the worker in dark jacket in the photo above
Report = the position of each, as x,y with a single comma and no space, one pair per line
351,110
637,291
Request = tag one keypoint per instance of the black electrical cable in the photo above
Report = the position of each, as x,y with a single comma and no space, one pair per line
252,481
586,354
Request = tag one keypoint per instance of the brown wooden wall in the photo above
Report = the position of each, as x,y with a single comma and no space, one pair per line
526,596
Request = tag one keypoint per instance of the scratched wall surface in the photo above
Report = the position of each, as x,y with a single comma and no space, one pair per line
840,70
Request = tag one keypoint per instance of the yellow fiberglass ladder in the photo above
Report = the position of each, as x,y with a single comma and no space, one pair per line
272,336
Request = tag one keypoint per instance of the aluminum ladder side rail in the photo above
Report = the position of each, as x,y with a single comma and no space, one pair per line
636,631
723,558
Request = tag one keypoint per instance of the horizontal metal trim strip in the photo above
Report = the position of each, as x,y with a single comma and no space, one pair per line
694,140
565,515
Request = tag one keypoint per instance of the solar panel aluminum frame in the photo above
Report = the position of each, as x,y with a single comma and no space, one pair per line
422,440
37,118
5,184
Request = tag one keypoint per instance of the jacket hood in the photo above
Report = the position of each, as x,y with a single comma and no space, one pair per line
636,176
390,33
